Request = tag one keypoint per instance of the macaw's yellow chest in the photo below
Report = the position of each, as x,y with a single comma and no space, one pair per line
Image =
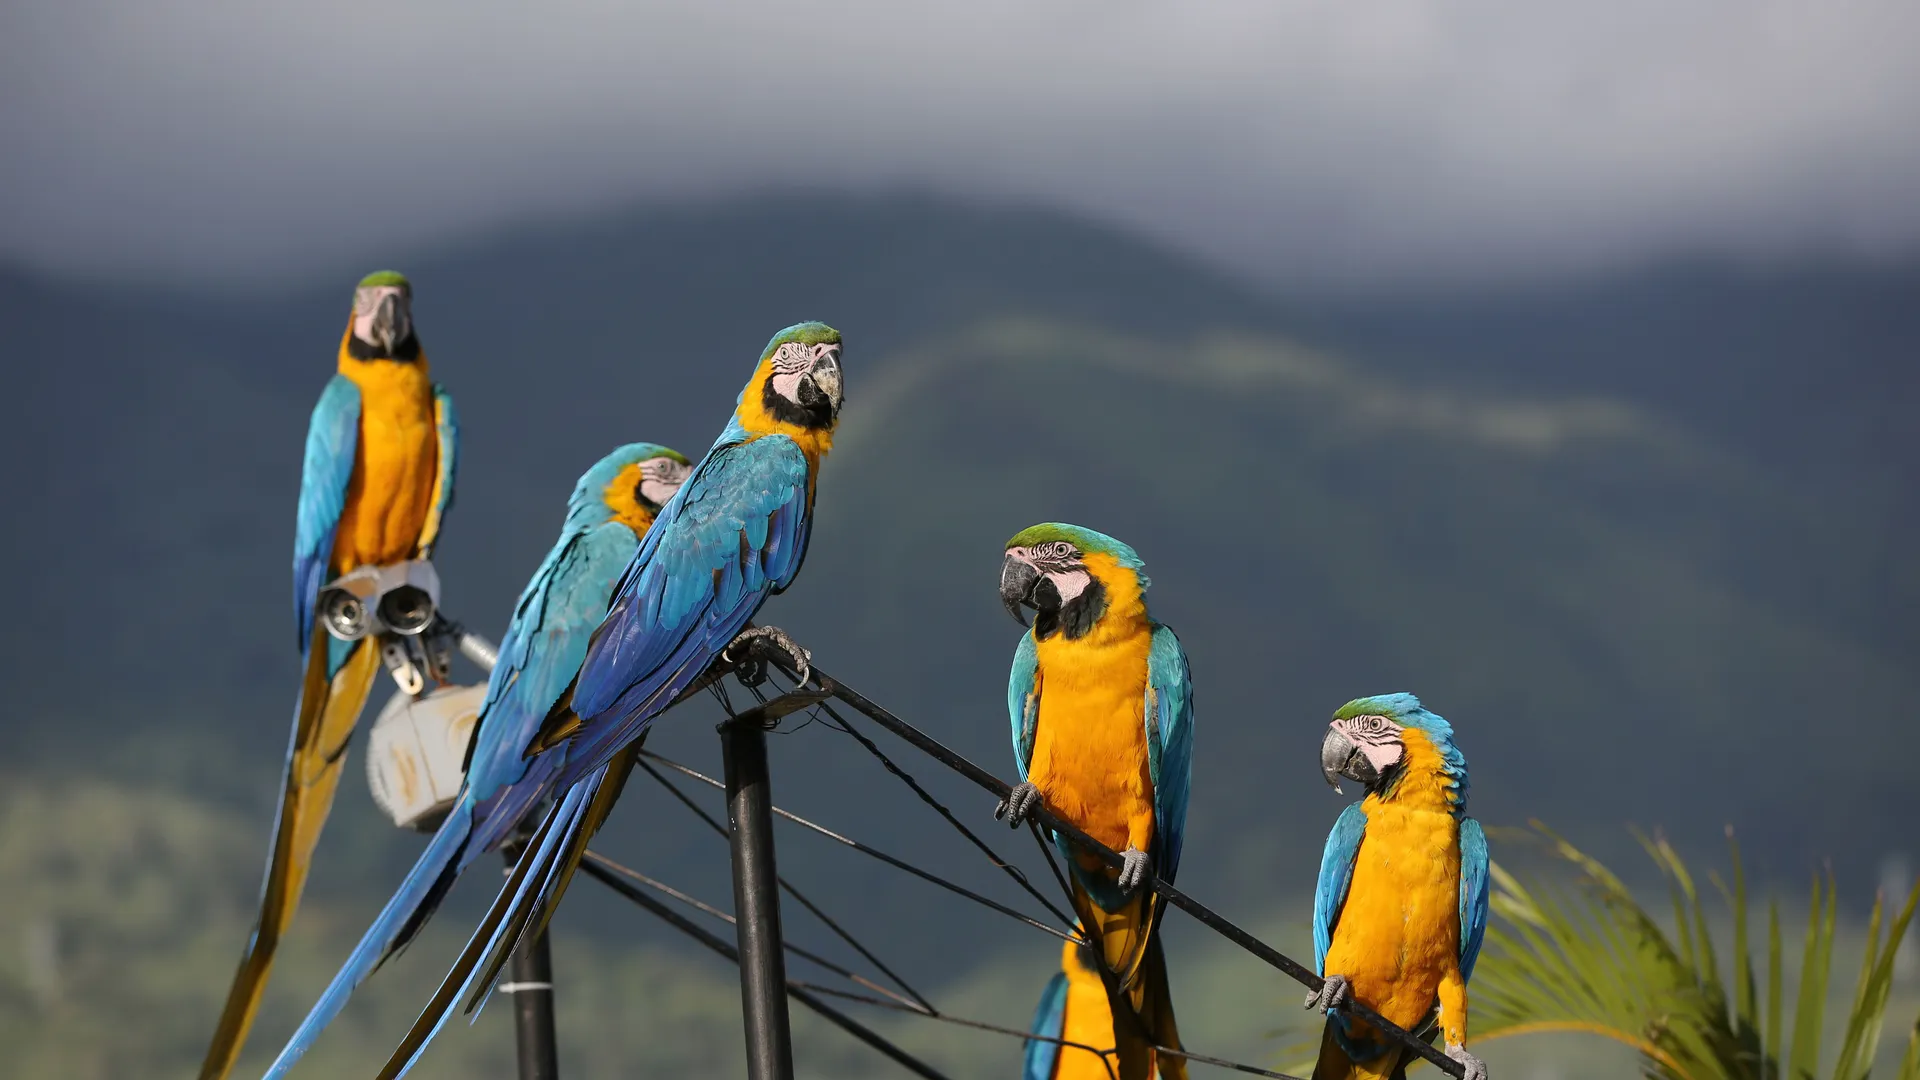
395,464
1399,931
1090,742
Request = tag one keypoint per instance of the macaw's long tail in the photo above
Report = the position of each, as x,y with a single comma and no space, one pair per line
338,677
521,910
1335,1064
1126,943
1074,1008
397,924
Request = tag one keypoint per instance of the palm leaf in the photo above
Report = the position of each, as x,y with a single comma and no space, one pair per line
1586,957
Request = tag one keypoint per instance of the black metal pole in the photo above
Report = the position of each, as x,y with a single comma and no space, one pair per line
756,902
530,982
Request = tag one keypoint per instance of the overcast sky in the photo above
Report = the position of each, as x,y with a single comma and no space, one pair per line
1360,140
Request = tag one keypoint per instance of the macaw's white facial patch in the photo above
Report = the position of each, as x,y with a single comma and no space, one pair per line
1070,583
377,322
791,362
660,478
1377,737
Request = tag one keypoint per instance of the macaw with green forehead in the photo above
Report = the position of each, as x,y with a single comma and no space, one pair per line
1102,710
1401,906
374,491
734,534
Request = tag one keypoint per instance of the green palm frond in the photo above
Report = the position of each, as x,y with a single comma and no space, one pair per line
1586,957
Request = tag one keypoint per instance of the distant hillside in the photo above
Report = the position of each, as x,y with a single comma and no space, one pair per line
1632,615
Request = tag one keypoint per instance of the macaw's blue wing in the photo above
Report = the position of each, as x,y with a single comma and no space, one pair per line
1336,874
1473,894
332,436
731,536
539,656
1169,719
1049,1019
1023,700
446,421
542,648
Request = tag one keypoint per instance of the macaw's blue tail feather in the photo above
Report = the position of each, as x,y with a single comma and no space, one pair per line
426,885
524,905
1049,1020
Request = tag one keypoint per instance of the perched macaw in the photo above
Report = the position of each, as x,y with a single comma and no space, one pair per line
1074,1008
611,509
734,534
1402,902
1102,710
375,490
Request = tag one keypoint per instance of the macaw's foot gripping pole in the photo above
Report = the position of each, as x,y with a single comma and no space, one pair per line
530,983
756,901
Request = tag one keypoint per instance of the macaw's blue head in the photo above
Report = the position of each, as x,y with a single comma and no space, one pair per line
1069,576
630,485
1379,742
382,327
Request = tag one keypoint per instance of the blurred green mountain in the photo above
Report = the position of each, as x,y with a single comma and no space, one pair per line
1640,572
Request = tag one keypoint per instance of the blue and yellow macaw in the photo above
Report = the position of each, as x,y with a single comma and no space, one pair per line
375,490
1073,1008
611,509
1402,901
734,534
1102,709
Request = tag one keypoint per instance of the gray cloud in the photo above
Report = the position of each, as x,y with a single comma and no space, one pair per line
1312,140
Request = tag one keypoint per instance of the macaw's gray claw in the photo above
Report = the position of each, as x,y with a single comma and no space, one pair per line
1333,994
1020,802
1475,1068
737,652
1137,871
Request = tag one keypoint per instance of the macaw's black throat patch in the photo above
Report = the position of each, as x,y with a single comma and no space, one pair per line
813,410
1075,618
407,351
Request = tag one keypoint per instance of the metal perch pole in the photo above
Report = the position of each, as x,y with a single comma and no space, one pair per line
756,901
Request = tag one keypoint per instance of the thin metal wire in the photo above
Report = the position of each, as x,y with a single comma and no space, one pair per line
687,926
1105,1055
708,909
721,830
1046,852
876,853
1012,871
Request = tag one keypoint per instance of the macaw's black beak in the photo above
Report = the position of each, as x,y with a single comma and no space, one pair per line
1019,584
1340,757
391,323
